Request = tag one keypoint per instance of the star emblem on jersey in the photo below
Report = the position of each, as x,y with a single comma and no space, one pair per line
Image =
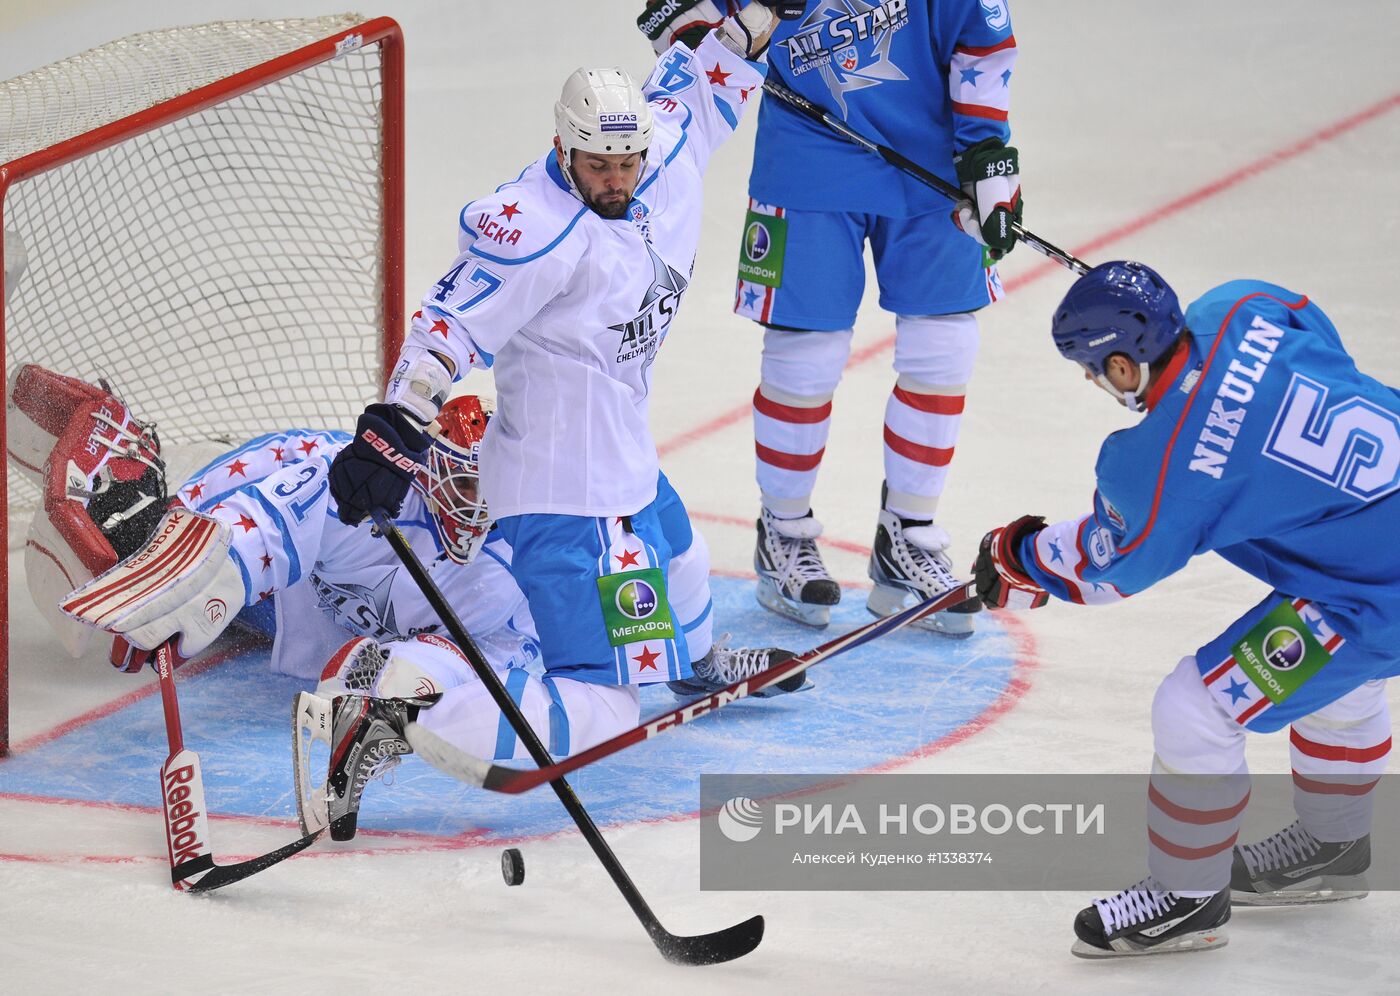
368,609
643,334
848,43
238,467
439,326
647,659
627,559
717,76
278,454
306,446
509,211
1237,690
266,560
248,524
196,491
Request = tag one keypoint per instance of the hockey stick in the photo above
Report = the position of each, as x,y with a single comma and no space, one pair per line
499,778
192,865
907,166
703,949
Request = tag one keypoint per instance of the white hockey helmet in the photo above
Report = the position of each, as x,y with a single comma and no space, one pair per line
602,111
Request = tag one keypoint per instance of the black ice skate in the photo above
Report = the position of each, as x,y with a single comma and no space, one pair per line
792,580
1146,919
909,563
366,740
723,666
1294,868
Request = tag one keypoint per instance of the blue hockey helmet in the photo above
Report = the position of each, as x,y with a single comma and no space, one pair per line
1119,307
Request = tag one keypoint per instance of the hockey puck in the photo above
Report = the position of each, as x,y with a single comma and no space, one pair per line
512,866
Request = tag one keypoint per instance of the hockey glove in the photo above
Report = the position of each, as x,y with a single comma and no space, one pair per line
1002,581
666,22
990,175
787,10
376,469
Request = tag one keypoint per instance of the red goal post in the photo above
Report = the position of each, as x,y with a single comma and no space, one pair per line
211,218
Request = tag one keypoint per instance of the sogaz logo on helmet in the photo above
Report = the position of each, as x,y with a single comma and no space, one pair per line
757,241
636,599
618,121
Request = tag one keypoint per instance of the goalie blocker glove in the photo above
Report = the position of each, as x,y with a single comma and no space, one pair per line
1002,581
378,466
990,175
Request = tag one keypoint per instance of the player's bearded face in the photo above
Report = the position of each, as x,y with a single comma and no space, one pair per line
606,182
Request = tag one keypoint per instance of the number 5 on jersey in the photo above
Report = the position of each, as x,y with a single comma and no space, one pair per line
485,282
1354,445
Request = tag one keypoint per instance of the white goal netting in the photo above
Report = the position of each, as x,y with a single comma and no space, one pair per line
226,270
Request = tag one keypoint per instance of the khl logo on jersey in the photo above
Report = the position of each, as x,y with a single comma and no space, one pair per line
848,42
641,335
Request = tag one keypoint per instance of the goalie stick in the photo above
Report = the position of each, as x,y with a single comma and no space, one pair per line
907,166
500,778
701,949
192,865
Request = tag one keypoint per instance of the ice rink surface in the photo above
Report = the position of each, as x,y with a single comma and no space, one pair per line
1213,141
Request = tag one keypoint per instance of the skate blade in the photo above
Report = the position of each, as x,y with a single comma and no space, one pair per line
1314,892
1201,940
886,601
311,722
816,616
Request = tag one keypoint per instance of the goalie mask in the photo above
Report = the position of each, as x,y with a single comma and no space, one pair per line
451,482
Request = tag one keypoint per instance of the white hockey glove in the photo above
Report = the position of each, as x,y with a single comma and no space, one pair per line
419,384
990,175
182,582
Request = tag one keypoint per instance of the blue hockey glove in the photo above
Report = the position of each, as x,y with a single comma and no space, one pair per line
376,469
1002,581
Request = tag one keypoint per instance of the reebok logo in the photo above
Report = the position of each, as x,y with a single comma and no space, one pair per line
659,17
184,815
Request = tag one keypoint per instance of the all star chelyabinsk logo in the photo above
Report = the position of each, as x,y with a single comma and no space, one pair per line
848,43
641,335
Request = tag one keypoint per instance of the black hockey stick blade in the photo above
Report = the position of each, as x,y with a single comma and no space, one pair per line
222,875
709,949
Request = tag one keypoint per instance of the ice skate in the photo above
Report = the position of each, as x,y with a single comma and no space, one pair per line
723,666
1147,919
909,563
792,580
1294,868
365,739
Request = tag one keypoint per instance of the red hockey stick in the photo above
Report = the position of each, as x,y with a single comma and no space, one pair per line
192,865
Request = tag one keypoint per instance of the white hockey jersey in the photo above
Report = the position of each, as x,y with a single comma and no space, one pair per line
569,308
329,581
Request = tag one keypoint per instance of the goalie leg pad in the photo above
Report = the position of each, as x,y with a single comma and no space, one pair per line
184,581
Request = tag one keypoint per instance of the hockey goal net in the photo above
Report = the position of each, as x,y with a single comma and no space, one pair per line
210,218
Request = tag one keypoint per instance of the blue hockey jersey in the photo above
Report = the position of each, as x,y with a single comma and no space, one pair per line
928,78
1263,443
